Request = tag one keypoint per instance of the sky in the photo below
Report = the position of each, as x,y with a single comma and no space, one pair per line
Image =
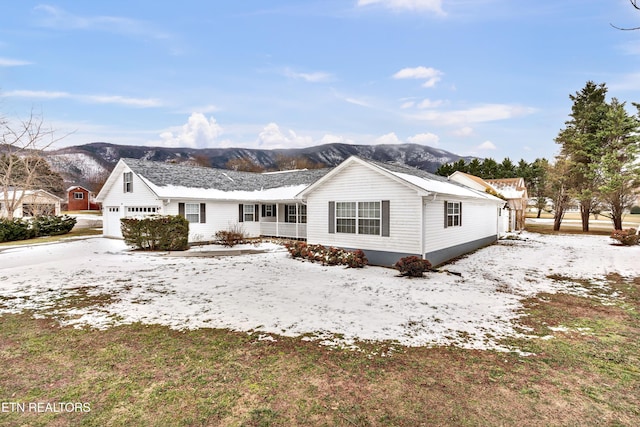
485,78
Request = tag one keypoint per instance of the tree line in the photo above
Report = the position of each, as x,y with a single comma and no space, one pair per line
597,168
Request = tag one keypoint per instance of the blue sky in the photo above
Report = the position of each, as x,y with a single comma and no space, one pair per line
489,78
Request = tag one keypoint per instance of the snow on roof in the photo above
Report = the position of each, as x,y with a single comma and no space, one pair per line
432,183
179,180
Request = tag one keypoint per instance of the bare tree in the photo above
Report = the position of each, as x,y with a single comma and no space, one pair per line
636,6
23,167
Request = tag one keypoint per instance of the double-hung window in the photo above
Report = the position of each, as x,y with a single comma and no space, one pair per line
346,217
248,212
192,212
369,218
127,178
78,196
358,218
453,214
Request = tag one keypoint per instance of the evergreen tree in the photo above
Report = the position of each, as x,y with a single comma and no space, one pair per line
582,145
619,172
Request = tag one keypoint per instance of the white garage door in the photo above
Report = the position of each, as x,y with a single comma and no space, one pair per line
111,221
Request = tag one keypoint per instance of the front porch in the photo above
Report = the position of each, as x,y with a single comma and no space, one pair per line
288,220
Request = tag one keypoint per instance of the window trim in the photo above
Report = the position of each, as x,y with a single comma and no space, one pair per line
127,180
453,216
358,219
246,215
78,195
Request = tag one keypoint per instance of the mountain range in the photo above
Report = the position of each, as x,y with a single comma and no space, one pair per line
88,164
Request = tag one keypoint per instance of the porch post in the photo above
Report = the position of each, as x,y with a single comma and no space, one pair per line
297,221
277,219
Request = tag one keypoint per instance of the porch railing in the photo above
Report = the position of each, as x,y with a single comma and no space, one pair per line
284,229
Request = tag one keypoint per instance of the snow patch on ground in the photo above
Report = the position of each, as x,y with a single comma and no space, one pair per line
271,294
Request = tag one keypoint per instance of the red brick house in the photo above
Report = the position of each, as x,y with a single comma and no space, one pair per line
81,199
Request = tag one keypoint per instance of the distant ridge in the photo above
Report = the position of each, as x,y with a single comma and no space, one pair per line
84,164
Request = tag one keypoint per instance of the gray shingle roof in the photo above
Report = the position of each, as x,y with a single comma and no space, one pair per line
164,174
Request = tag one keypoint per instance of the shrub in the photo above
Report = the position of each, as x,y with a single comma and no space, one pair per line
626,237
327,256
234,235
15,229
156,233
412,266
635,210
52,225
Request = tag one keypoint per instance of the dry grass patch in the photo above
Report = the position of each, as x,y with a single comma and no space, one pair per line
138,375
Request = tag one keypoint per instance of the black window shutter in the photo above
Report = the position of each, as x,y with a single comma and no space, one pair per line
203,213
460,222
332,217
256,213
264,210
445,214
385,218
181,209
240,212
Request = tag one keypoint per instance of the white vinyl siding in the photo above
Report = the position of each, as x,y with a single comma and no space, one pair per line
359,183
479,220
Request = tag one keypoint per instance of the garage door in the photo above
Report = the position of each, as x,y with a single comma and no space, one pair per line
111,222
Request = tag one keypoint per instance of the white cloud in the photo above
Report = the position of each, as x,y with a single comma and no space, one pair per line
434,6
427,138
483,113
122,100
335,139
407,104
198,132
272,137
390,138
92,99
315,77
487,146
429,74
463,131
8,62
427,103
38,94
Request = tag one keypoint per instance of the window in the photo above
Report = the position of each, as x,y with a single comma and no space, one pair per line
294,215
369,218
248,212
140,209
192,212
127,179
269,210
345,217
453,214
114,209
78,196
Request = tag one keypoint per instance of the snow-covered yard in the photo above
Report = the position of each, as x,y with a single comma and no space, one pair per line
272,294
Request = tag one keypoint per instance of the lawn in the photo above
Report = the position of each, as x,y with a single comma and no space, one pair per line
575,361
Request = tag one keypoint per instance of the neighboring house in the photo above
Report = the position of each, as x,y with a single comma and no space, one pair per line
392,211
81,199
211,199
513,190
33,203
388,211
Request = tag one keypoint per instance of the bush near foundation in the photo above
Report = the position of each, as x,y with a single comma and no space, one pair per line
412,266
234,235
156,233
327,255
628,237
